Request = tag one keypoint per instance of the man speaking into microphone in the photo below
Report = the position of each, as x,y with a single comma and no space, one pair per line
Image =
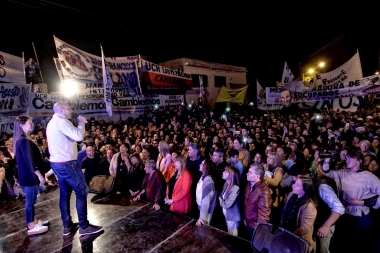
62,137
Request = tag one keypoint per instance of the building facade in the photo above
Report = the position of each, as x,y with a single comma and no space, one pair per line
214,76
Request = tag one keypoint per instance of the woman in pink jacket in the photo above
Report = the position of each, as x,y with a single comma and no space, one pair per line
181,201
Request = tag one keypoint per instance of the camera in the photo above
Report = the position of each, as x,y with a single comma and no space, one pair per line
325,154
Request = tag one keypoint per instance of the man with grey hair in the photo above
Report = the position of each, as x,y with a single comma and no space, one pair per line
63,137
153,185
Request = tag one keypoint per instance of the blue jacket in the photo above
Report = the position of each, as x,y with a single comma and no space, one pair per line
28,159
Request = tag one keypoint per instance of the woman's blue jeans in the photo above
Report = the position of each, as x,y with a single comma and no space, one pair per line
71,178
31,198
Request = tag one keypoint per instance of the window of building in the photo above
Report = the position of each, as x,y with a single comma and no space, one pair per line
220,81
196,80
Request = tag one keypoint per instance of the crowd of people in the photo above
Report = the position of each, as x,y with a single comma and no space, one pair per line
314,173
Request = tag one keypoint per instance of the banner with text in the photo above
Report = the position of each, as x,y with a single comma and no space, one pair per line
80,65
351,70
42,104
14,91
346,104
107,85
6,125
167,100
300,93
232,95
162,77
262,102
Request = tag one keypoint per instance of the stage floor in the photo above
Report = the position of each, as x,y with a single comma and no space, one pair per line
128,227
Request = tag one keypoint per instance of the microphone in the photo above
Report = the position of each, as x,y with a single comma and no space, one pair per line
74,118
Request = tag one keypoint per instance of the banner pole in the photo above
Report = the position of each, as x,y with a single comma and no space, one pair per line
39,66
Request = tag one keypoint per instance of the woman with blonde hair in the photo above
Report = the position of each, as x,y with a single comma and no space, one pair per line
179,198
273,175
230,199
164,160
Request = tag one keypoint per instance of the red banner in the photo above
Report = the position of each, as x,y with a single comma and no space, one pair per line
160,76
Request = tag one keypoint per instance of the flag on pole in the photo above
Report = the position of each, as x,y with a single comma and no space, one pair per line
107,85
232,95
201,89
287,75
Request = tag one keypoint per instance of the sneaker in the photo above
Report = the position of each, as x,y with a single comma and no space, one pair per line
91,229
71,230
86,241
37,230
43,223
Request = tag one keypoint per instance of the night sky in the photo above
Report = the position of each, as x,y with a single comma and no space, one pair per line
260,38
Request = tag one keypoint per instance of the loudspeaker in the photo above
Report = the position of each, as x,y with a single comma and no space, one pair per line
268,238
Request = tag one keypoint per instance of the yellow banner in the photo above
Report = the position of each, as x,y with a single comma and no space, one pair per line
232,95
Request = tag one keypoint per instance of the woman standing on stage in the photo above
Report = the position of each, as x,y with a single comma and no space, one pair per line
29,163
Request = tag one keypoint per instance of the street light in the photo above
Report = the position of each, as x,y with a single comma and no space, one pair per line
306,77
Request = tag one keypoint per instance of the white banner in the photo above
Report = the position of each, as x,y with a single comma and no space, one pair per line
300,93
42,104
14,92
351,70
287,75
6,124
80,65
167,100
262,102
59,68
14,98
107,84
12,69
346,104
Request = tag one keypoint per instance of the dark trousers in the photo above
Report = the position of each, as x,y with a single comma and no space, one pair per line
71,178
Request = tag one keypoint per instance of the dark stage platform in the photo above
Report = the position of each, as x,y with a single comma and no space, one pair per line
128,227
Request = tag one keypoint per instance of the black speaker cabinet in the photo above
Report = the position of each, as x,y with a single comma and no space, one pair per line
268,238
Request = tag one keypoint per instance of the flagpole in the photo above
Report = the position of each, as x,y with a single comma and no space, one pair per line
39,66
201,90
23,61
139,70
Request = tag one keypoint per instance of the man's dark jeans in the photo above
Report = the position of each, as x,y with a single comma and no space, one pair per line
71,178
